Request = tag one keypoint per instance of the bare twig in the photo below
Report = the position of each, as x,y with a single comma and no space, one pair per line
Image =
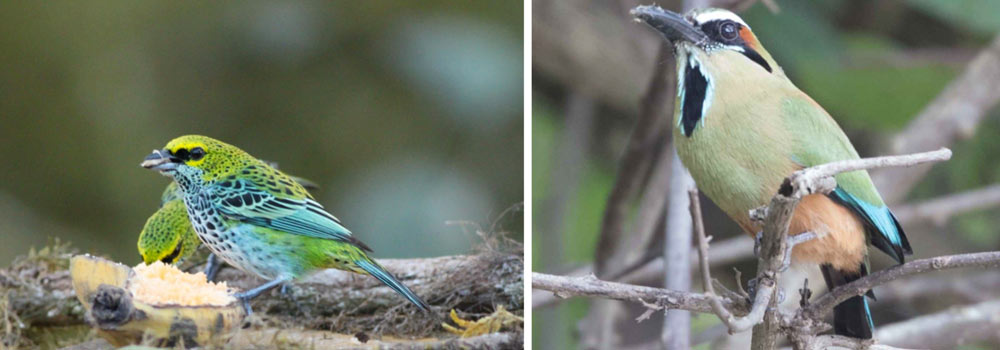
591,286
706,276
818,178
824,342
946,329
819,307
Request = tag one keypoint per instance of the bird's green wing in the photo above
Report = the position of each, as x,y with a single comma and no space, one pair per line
817,139
276,202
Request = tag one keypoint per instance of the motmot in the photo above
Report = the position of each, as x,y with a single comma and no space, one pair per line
741,127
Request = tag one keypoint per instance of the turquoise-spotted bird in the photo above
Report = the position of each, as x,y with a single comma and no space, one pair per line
258,219
741,127
168,236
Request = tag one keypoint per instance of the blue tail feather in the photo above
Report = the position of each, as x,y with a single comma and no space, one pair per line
883,228
385,277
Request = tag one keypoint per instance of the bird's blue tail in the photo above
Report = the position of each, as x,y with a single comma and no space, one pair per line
852,317
373,268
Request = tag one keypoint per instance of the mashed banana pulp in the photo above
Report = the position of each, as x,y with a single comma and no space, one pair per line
163,284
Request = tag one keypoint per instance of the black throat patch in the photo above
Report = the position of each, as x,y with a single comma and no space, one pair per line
695,87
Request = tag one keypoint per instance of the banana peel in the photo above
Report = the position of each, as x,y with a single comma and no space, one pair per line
102,286
489,324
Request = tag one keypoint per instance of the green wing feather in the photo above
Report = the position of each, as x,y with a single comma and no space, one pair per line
268,198
817,139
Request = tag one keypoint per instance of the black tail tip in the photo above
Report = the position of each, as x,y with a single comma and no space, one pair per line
853,319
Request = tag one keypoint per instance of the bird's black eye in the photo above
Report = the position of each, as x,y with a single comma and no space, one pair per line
197,153
729,30
182,154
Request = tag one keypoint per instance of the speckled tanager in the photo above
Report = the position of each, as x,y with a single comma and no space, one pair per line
258,219
168,235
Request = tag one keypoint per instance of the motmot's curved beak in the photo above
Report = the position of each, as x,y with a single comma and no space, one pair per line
160,160
672,25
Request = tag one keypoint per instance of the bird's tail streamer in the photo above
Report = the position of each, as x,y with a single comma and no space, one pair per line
373,268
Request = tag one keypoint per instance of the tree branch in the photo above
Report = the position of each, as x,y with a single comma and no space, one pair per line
946,329
821,306
591,286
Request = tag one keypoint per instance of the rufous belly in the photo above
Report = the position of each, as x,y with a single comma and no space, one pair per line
841,234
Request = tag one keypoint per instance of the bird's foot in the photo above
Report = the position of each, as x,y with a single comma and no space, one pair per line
244,300
212,266
244,297
805,293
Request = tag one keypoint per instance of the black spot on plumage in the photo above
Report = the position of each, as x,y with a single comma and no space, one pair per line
234,201
226,184
210,225
272,183
288,191
695,89
248,198
246,172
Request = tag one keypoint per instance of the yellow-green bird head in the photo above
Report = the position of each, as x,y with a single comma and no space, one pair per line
168,235
194,161
198,157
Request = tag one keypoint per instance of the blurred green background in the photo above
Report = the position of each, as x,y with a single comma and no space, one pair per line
408,114
872,64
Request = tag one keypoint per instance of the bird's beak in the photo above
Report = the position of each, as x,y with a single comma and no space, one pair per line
160,160
672,25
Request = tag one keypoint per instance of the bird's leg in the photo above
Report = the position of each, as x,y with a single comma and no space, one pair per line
286,290
212,266
244,297
757,243
805,293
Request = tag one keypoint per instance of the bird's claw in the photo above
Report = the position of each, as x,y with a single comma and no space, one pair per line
805,293
244,300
